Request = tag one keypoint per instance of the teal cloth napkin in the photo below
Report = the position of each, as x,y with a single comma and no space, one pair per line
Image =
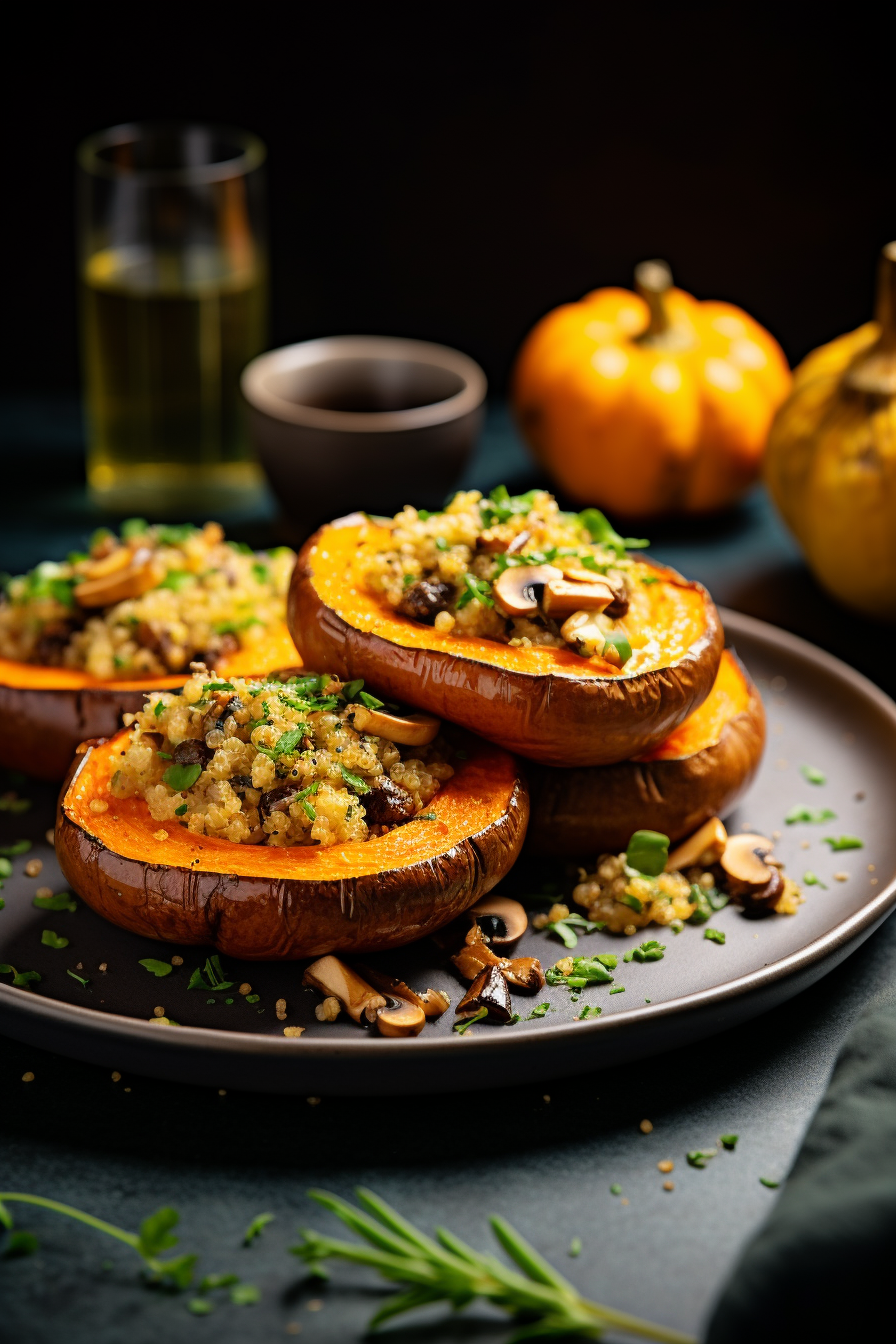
824,1261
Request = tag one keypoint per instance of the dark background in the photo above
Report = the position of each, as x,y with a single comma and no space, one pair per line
453,171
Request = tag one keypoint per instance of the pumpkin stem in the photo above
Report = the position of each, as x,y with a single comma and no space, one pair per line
874,370
653,279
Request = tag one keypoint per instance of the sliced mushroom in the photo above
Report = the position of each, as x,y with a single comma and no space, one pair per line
400,1018
523,973
702,849
135,578
502,920
423,600
192,751
489,990
561,597
332,977
744,863
518,591
412,730
435,1002
387,984
388,804
583,633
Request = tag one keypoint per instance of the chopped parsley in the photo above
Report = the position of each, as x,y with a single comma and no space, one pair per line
647,851
814,815
80,978
215,981
179,811
501,506
14,850
590,1010
370,701
462,1027
354,781
707,900
585,971
618,989
20,979
839,842
729,1141
699,1157
256,1227
479,590
813,776
615,1189
156,968
50,939
602,533
565,928
181,777
261,572
633,902
769,1185
217,686
714,936
575,1247
177,580
158,709
649,951
540,1010
813,880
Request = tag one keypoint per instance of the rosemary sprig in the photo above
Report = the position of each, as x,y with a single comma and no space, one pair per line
447,1270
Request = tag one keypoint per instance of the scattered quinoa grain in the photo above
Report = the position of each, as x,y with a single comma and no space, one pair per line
646,1126
103,966
316,1303
177,961
280,1009
222,1091
546,1099
127,1089
313,1101
44,891
245,988
50,836
33,868
804,844
28,1077
116,1076
156,835
871,868
293,1328
666,1165
623,1200
98,805
329,1010
841,877
668,1185
158,1011
293,1031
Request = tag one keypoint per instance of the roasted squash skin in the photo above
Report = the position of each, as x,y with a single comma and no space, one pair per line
700,771
549,705
46,711
267,903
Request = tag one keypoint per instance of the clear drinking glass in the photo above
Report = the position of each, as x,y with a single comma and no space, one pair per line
173,271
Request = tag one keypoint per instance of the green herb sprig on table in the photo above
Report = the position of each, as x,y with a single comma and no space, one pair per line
445,1269
215,981
565,928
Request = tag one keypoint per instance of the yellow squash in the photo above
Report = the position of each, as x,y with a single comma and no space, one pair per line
831,460
649,403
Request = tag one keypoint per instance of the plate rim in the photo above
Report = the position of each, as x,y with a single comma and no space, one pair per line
183,1039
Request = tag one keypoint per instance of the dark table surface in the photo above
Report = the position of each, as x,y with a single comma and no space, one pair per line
544,1155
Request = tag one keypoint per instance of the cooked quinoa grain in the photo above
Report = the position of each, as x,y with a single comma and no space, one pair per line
147,603
276,763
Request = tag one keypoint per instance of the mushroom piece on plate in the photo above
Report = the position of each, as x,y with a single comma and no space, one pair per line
412,730
702,849
333,978
502,920
489,990
753,874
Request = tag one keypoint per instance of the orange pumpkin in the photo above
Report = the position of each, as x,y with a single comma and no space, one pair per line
649,403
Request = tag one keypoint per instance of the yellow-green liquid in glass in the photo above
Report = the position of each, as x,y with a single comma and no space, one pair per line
166,336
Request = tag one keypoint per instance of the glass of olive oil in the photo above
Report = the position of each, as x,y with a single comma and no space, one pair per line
173,272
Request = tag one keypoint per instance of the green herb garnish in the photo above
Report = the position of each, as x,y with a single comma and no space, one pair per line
590,1010
602,533
133,527
14,850
615,1189
699,1157
714,936
215,981
179,811
648,852
479,590
156,968
370,701
50,939
158,709
618,989
632,902
80,978
20,979
575,1247
540,1010
649,951
814,815
813,776
462,1027
177,580
769,1185
181,777
813,880
729,1141
585,971
839,842
354,781
13,804
565,928
445,1269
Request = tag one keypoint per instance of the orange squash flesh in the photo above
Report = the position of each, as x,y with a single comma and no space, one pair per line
700,771
547,704
269,903
46,711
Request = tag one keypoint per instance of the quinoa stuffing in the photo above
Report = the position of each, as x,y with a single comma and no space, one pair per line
146,603
518,570
278,762
625,901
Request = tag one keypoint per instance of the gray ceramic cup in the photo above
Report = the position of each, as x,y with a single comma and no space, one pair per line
362,422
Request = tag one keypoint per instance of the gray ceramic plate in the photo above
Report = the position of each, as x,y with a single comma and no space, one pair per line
821,714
